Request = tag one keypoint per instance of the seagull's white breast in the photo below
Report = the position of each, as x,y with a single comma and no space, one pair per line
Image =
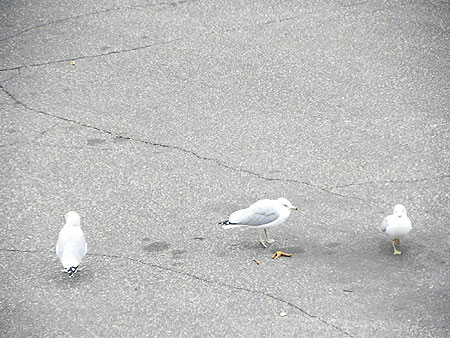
398,226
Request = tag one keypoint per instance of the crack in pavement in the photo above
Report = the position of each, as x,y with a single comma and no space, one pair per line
219,163
173,147
46,130
91,56
280,20
352,4
12,76
132,49
211,281
114,9
392,181
202,279
9,271
20,250
216,161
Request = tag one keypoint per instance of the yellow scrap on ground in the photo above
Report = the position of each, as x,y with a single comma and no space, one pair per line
278,254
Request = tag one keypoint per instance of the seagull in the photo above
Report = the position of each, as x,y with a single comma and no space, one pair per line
396,226
262,214
71,246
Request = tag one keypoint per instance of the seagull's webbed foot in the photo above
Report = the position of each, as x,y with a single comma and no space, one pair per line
396,252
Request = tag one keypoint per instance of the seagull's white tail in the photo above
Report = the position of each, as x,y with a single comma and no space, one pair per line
230,226
70,259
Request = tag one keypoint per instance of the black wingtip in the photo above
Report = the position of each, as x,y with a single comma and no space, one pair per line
71,271
226,222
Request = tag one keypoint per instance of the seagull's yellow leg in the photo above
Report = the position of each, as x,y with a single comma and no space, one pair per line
261,240
396,252
397,241
267,237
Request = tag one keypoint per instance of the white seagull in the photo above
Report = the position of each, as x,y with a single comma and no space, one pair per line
396,226
262,214
71,246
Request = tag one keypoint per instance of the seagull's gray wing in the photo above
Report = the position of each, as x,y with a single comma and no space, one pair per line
257,214
60,244
384,224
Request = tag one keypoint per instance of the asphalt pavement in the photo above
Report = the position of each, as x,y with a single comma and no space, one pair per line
156,120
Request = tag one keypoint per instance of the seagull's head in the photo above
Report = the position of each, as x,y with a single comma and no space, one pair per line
285,203
72,218
399,210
